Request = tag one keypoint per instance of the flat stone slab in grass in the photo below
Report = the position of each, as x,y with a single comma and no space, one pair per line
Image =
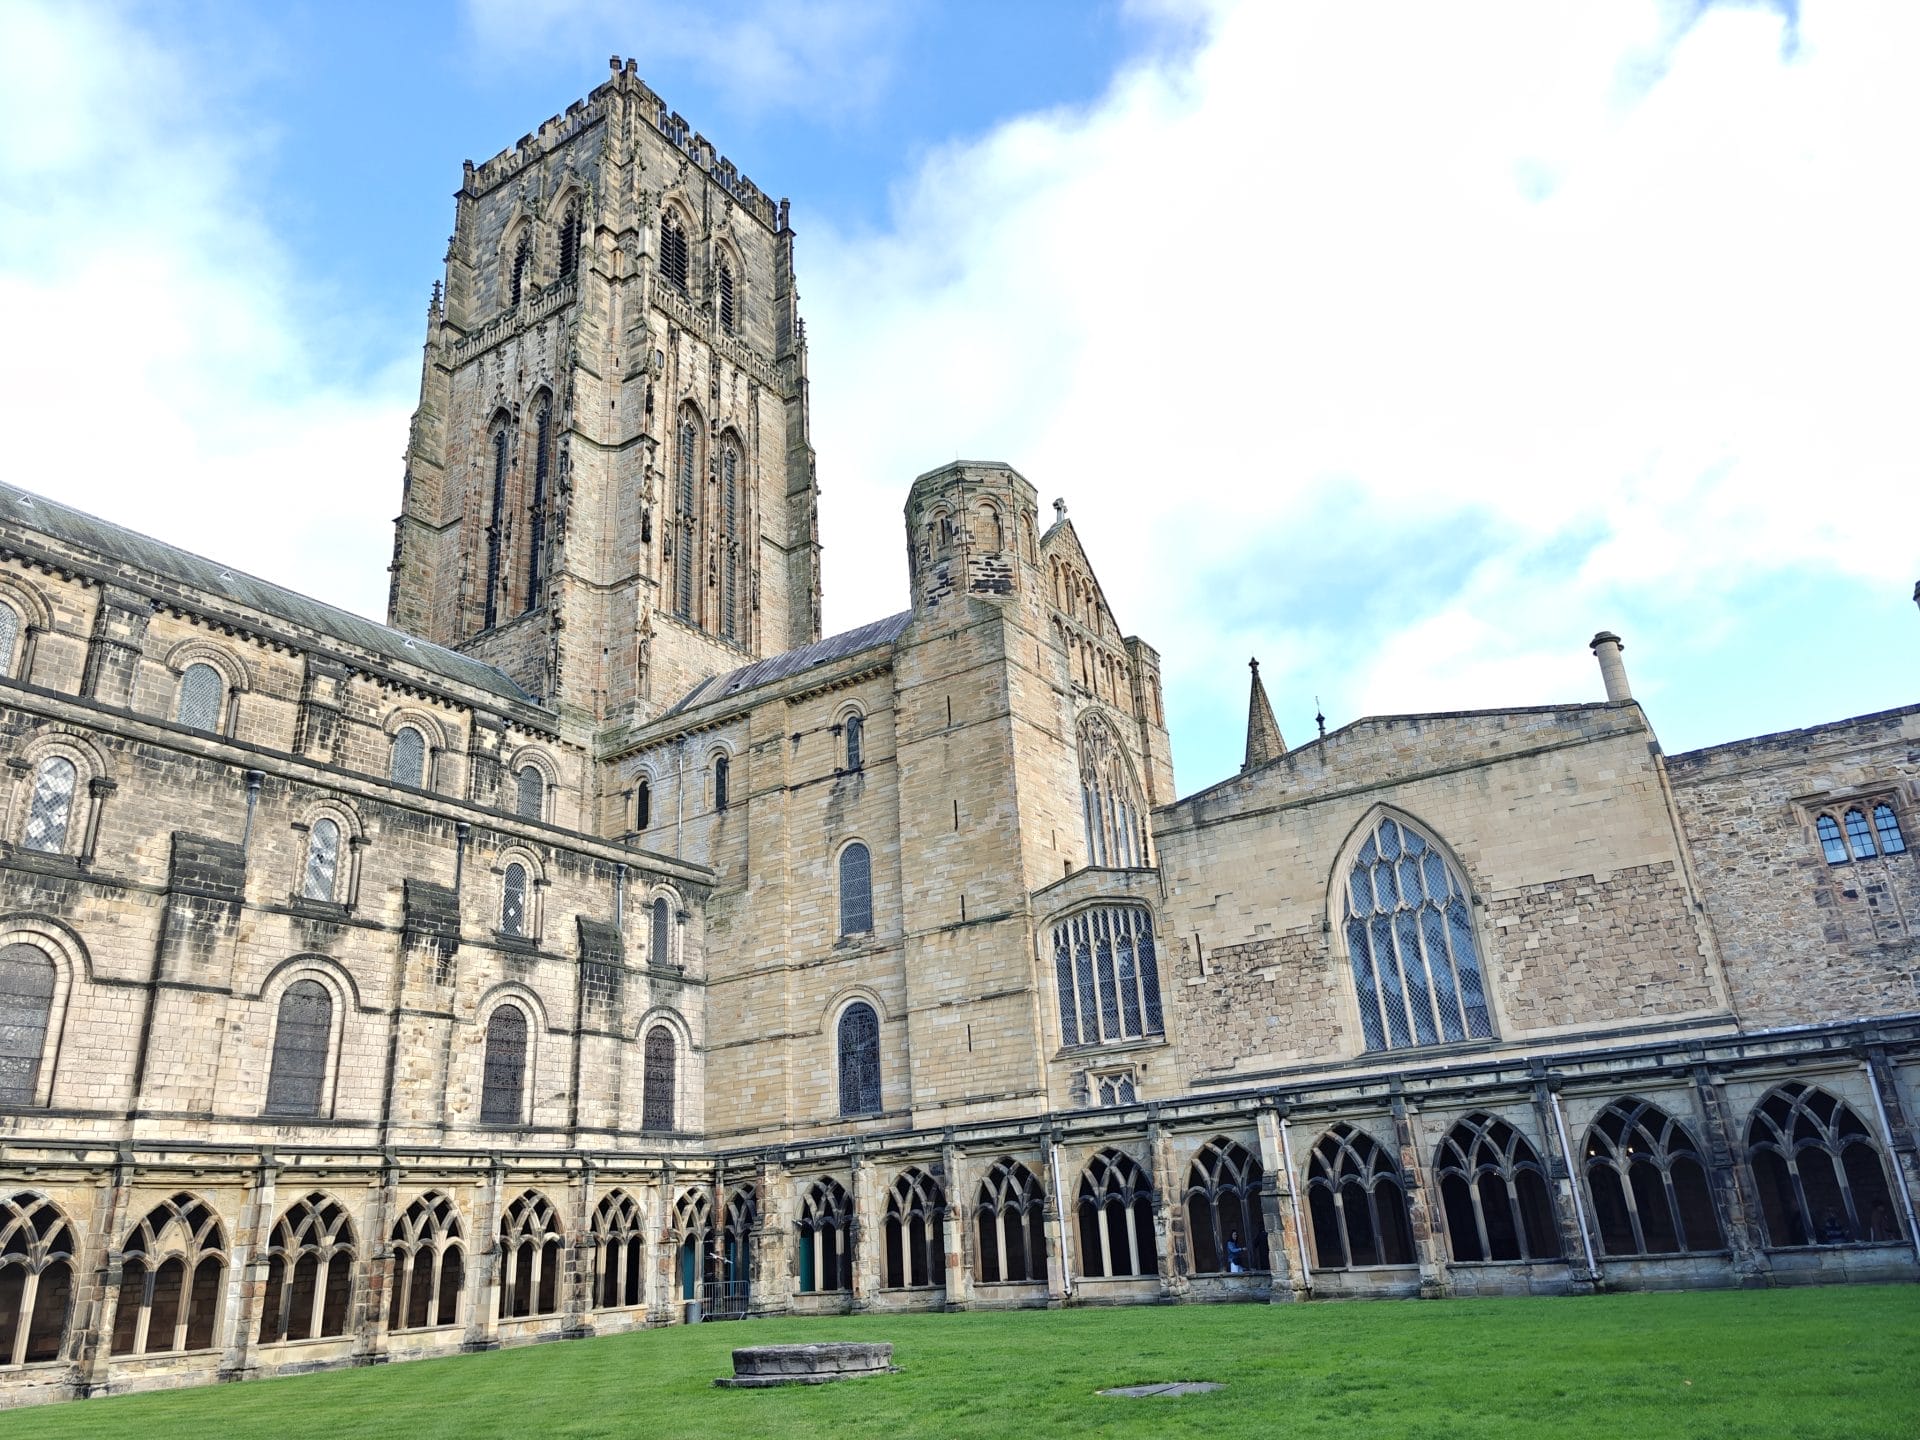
1171,1387
755,1367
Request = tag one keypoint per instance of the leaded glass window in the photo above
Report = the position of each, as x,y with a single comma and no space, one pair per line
1892,842
673,251
409,761
513,900
660,952
504,1080
722,778
656,1093
323,861
1859,837
1409,928
856,742
301,1042
1107,975
50,808
1831,845
684,461
9,638
859,1060
36,1278
530,793
201,691
856,890
26,1008
725,279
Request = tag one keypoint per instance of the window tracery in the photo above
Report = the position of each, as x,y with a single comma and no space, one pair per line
1494,1191
27,983
916,1232
693,1244
532,1247
1648,1183
172,1266
1864,839
618,1241
1819,1171
37,1248
686,516
859,1036
826,1237
309,1272
429,1265
1010,1216
302,1042
736,1250
1109,800
1116,1218
1224,1221
673,250
1107,975
1357,1201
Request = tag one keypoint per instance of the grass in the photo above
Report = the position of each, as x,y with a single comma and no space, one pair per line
1839,1362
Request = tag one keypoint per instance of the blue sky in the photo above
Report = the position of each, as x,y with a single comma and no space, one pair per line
1403,345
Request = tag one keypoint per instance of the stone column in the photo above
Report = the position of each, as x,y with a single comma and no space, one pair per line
577,1298
959,1227
1429,1244
1276,1209
1902,1162
113,654
1058,1226
868,1235
1566,1208
767,1269
1174,1259
247,1273
375,1300
90,1373
662,1292
483,1327
1735,1194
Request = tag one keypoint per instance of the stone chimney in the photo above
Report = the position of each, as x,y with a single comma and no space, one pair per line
1606,647
1263,731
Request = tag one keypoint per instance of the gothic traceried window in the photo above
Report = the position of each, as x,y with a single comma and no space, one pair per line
826,1237
724,303
856,890
429,1265
1648,1183
657,1082
1819,1171
302,1040
686,522
736,1251
1114,1088
856,742
1224,1222
537,509
309,1272
36,1278
1010,1218
673,251
27,980
619,1244
202,690
322,870
1831,845
1107,975
1109,800
1409,929
503,1083
513,900
50,805
172,1268
1494,1192
1115,1212
693,1245
532,1257
408,763
859,1037
660,951
915,1232
1892,842
530,793
1357,1201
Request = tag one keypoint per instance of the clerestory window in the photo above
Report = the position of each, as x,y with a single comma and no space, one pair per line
856,890
1107,976
202,691
859,1037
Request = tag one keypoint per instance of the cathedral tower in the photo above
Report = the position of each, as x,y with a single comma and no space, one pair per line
609,486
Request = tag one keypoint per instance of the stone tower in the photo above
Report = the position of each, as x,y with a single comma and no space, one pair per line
609,486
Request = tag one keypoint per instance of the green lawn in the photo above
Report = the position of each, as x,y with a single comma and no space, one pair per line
1841,1362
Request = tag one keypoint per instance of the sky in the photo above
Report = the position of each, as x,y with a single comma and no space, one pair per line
1404,346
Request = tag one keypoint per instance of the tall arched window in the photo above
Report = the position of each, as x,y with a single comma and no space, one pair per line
1224,1223
856,741
1109,799
496,522
537,508
1106,975
826,1237
408,763
513,900
736,1250
693,1245
522,265
859,1060
9,639
172,1266
202,689
660,950
722,783
532,1257
1892,842
856,890
1116,1218
50,806
1859,836
322,870
686,513
36,1278
570,227
1819,1171
617,1239
1010,1216
504,1083
1357,1199
656,1090
309,1272
1648,1182
723,283
530,793
1494,1191
729,536
673,250
429,1265
1409,929
27,979
916,1232
1831,845
643,804
302,1040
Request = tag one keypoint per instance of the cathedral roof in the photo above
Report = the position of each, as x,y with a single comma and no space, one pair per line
792,662
92,536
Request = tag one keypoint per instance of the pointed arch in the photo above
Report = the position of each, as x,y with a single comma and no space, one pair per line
618,1242
740,1226
1495,1193
1110,806
38,1250
1225,1225
428,1264
1648,1183
826,1237
915,1232
1115,1213
1010,1216
173,1264
310,1257
693,1245
1821,1175
532,1257
1357,1202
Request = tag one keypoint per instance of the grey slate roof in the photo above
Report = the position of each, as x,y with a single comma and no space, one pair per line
792,662
94,536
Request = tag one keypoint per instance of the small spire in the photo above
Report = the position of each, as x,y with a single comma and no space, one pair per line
1320,717
1263,731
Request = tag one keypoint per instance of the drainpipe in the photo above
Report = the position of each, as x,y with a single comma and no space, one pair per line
461,829
619,896
1573,1180
1886,1131
1293,1200
1066,1224
254,779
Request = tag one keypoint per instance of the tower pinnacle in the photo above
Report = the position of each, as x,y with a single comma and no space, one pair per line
1263,731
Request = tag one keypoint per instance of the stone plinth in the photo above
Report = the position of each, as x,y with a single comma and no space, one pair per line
758,1366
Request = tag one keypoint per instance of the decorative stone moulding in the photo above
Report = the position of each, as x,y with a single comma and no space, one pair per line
756,1367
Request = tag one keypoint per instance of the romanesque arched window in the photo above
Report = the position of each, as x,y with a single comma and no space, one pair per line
1109,800
429,1265
1010,1216
1115,1212
513,900
1224,1222
916,1231
686,459
309,1272
618,1241
660,949
1409,931
722,783
859,1035
172,1267
522,265
537,507
27,983
1357,1199
856,741
570,228
407,764
50,805
1819,1171
642,803
856,890
826,1237
532,1257
36,1278
1106,975
202,690
693,1245
302,1041
1648,1182
504,1081
496,523
322,871
673,250
657,1083
530,793
723,285
9,641
736,1250
1494,1191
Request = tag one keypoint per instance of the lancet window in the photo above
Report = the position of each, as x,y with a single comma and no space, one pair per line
686,513
309,1272
722,783
530,793
1409,930
50,805
1648,1183
856,890
916,1231
1116,831
1010,1217
1819,1172
736,1250
322,871
1107,976
1864,839
723,284
1224,1222
673,251
618,1240
302,1042
172,1267
27,983
504,1078
36,1278
660,950
730,550
826,1237
643,804
1116,1218
570,227
532,1248
859,1036
856,741
1357,1199
429,1265
537,510
496,523
522,264
657,1084
513,900
1495,1193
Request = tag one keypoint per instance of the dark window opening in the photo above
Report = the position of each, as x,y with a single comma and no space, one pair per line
859,1036
1010,1220
503,1081
1494,1193
656,1094
1115,1213
1224,1222
302,1041
916,1232
673,252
